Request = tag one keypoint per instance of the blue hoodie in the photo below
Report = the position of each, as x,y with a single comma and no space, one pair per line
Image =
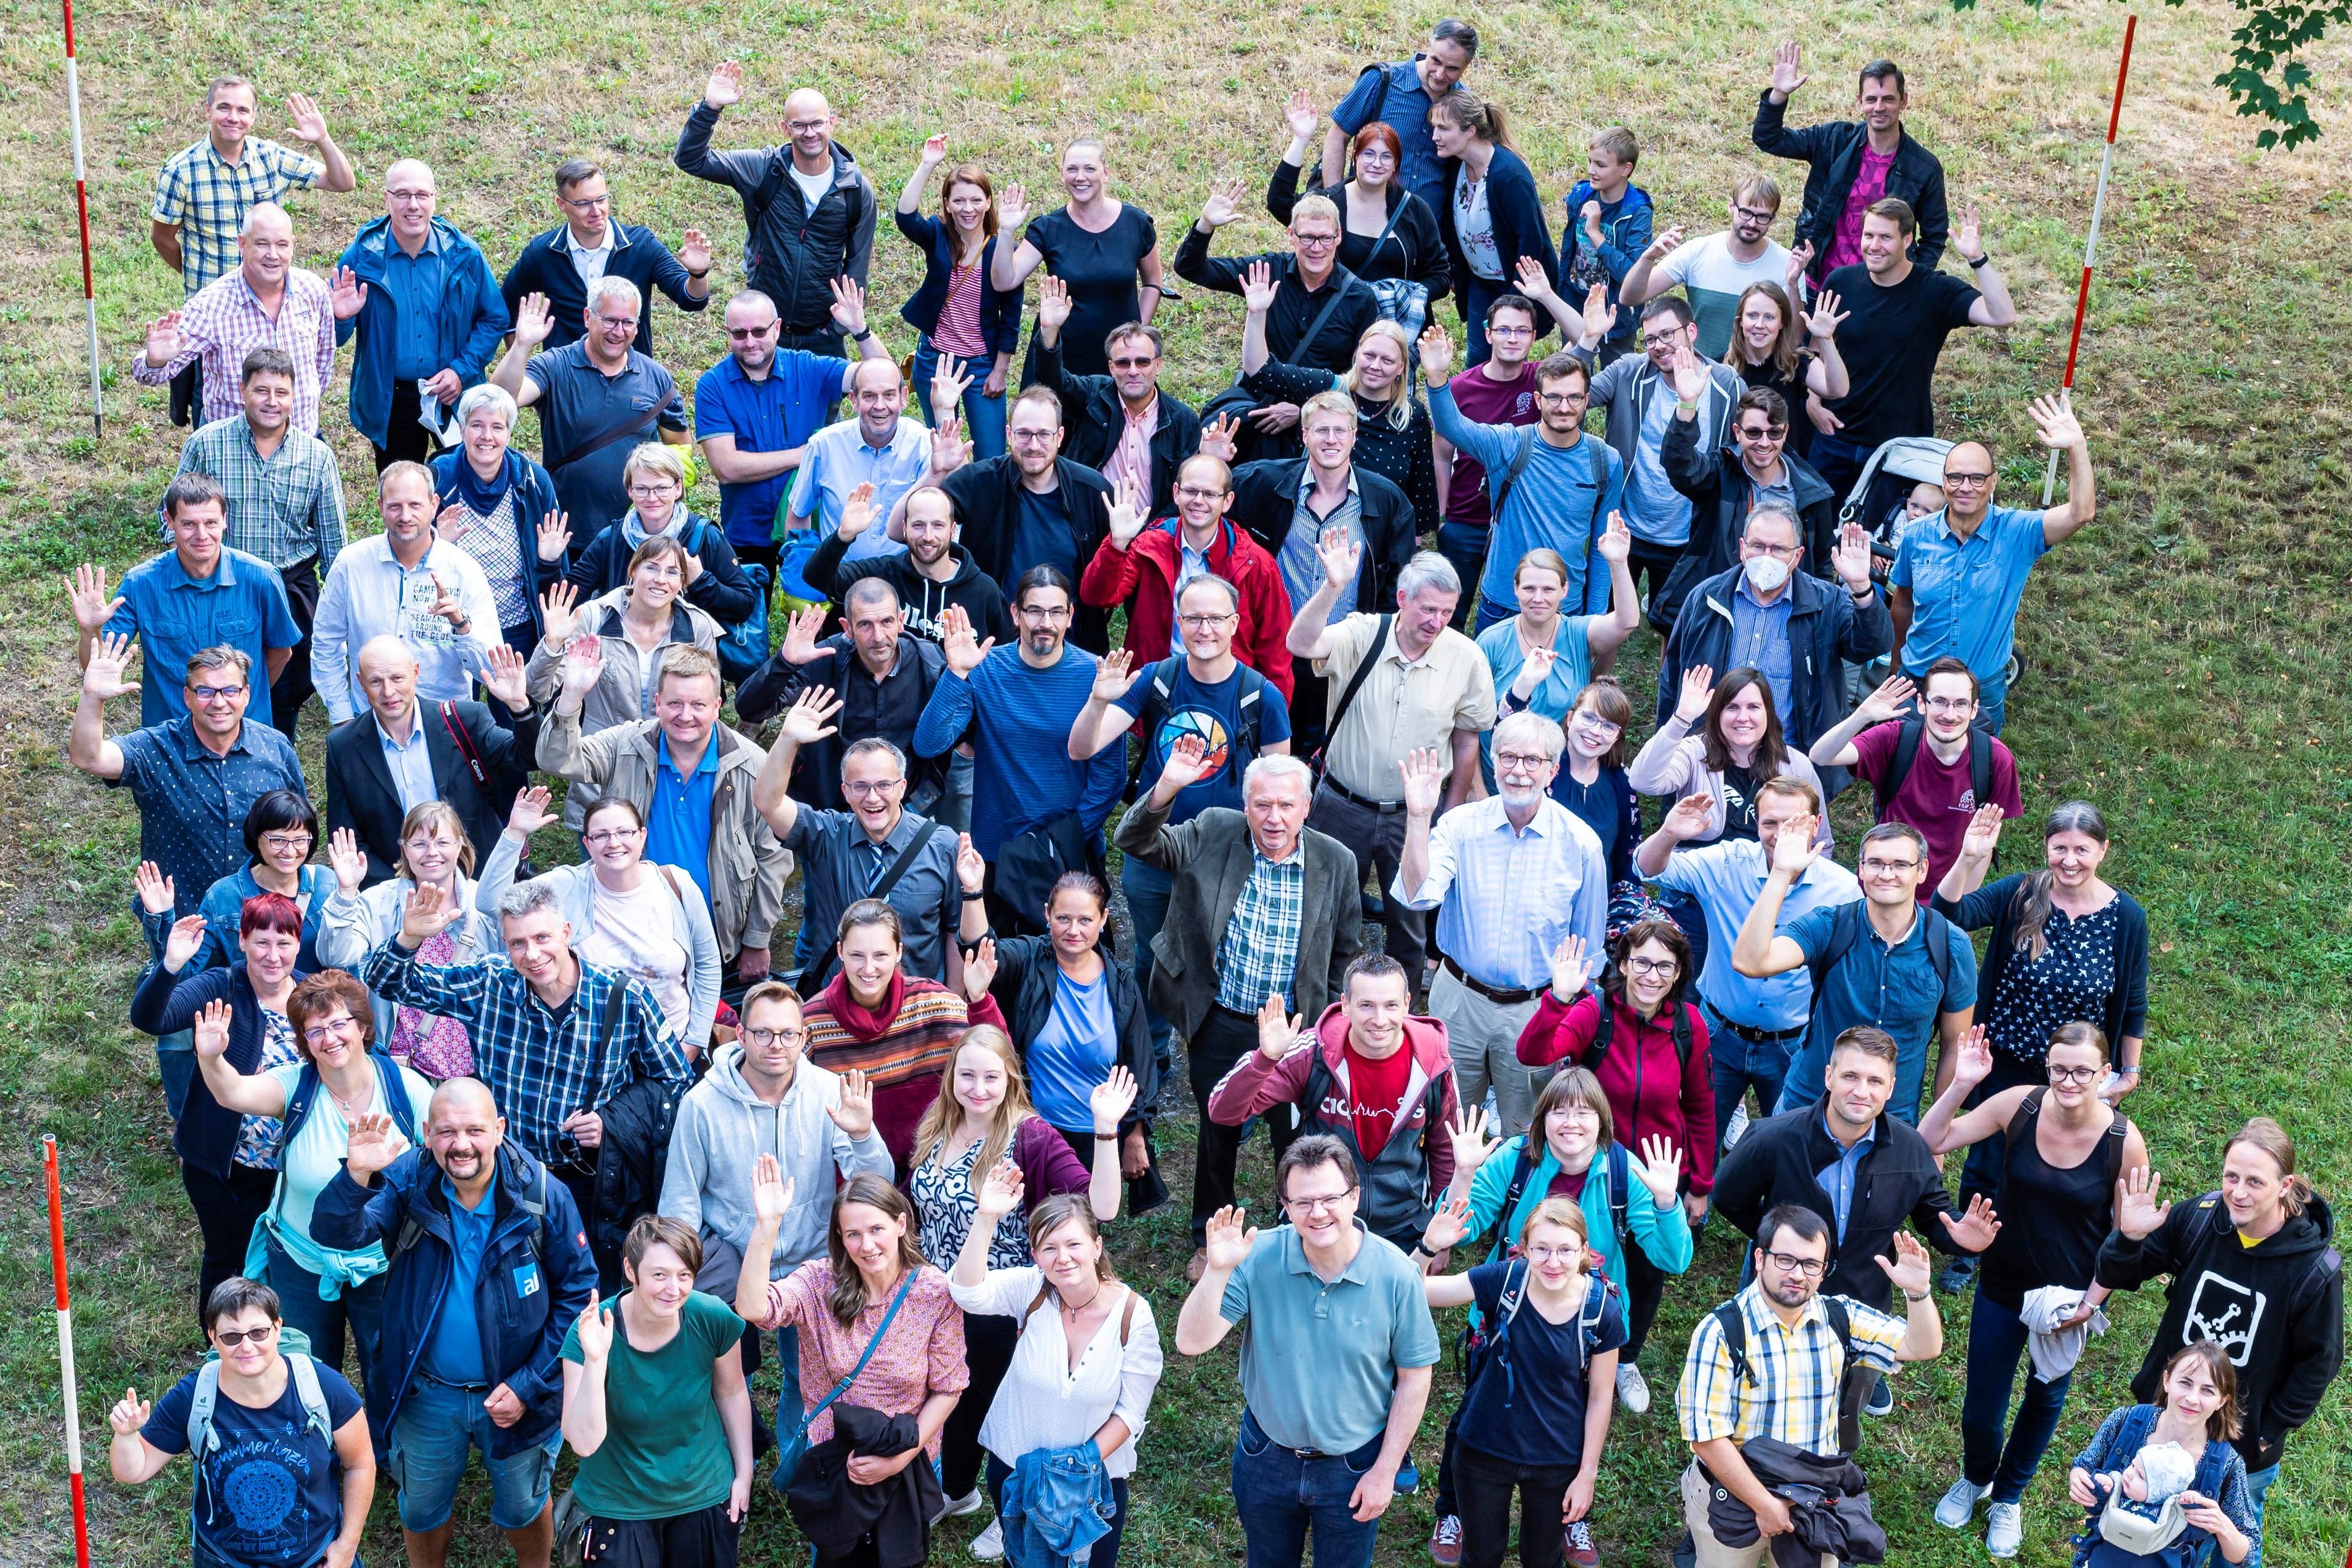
473,318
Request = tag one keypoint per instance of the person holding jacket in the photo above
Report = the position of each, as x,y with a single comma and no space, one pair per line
959,313
491,1268
1493,215
1652,1032
411,263
1850,164
498,505
634,628
1367,1073
2253,1267
797,244
712,582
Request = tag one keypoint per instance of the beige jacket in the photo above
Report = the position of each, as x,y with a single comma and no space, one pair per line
618,697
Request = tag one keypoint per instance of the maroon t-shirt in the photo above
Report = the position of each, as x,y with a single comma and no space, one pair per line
1485,402
1934,799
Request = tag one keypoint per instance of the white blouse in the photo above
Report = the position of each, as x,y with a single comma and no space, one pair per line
1042,1403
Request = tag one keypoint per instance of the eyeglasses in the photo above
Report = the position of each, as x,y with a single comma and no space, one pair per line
328,1029
619,323
585,204
1520,762
1653,965
1662,339
1553,1254
1204,623
1317,242
214,694
1329,1205
1049,612
806,127
231,1338
1563,399
1948,705
1776,432
1497,330
2072,1074
751,334
1030,437
284,842
1803,1268
1198,492
1966,481
761,1038
1755,214
653,487
604,836
1876,867
1786,552
865,789
1134,363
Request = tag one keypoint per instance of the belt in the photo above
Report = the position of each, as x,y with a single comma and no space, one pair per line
1294,1453
1762,1036
460,1388
1385,807
1503,996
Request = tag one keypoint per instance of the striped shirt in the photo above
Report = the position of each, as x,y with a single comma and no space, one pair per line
921,1036
283,508
1258,953
957,331
224,321
1796,1373
208,199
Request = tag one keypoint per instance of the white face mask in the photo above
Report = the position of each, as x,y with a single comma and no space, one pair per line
1766,573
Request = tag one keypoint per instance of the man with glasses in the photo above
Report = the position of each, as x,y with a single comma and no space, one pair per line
598,398
756,410
883,673
1888,963
1931,771
1769,614
1511,876
1714,270
1400,95
588,244
1794,1347
1724,486
1959,574
1500,390
1124,425
1551,487
1336,1351
1638,399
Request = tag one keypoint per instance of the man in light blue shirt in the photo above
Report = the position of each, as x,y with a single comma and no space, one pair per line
1510,876
409,584
880,447
1752,1025
1959,573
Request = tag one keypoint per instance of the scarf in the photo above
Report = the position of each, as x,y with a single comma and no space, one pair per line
632,532
479,496
863,1022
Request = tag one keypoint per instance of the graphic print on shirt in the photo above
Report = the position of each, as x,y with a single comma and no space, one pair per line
2226,1313
417,621
1208,727
260,1483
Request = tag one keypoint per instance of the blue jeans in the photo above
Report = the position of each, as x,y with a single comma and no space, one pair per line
1992,705
1838,461
1279,1495
360,1308
1491,613
1465,546
2258,1487
436,1425
1739,1066
1997,1338
984,417
954,810
1146,888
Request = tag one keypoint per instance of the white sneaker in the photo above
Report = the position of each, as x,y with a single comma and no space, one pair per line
2005,1529
989,1544
1960,1504
957,1507
1633,1388
1739,1124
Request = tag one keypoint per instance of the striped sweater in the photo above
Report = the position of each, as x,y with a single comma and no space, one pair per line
903,1045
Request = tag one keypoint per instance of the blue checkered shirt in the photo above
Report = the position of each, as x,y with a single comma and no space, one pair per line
282,508
208,199
541,1066
1258,953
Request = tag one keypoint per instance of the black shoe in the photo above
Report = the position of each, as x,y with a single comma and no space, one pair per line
1957,1276
1882,1398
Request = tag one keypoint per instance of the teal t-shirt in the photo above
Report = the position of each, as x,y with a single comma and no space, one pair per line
665,1450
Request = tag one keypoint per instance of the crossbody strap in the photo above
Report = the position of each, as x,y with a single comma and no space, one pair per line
865,1355
1356,682
464,743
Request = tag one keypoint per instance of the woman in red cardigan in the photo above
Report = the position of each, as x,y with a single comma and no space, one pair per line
1651,1065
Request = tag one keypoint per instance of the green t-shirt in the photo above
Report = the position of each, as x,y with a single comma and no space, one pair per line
665,1450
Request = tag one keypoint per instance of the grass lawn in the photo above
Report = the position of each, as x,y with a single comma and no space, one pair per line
2185,656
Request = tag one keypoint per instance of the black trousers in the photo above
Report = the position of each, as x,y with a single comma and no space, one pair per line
988,1343
1658,560
1310,708
1484,1485
706,1538
226,1210
1377,840
188,395
1645,1284
404,439
292,688
1225,1037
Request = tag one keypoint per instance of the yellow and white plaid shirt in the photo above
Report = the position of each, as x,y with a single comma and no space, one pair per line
1796,1373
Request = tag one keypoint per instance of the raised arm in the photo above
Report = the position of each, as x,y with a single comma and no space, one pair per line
807,722
1641,284
1945,1126
248,1096
1311,630
2055,422
1102,721
1977,846
1835,748
1201,1326
1012,264
533,324
1687,819
1759,952
87,747
1995,309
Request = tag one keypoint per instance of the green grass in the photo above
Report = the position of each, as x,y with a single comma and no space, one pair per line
2184,655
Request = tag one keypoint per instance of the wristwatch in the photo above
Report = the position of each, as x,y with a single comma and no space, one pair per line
1981,261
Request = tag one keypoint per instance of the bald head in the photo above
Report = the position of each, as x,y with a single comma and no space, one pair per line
410,196
460,1098
265,247
387,669
808,125
462,1129
1969,480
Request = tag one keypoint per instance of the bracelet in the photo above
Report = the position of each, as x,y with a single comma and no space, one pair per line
1981,262
974,897
861,335
1920,1297
1105,1137
704,273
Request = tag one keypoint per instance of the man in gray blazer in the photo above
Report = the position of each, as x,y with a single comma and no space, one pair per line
1262,906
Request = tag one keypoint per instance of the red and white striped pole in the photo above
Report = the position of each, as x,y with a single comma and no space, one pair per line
89,280
2090,245
65,1351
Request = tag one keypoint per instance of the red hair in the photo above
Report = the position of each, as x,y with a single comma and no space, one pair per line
269,911
1376,133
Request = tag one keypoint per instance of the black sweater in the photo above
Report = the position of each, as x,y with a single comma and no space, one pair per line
920,599
722,592
1403,457
1294,310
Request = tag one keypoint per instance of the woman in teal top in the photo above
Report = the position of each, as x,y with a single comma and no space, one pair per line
656,1406
1540,658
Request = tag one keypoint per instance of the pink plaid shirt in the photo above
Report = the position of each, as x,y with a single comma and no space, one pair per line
1131,458
222,322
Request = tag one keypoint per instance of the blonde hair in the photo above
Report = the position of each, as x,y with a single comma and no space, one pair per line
1400,405
659,457
1545,559
2271,1139
1316,207
947,1111
435,814
1564,1212
1330,400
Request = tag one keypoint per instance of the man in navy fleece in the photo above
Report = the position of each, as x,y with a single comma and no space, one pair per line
1018,704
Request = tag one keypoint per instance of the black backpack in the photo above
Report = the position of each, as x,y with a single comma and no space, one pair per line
1604,1030
1906,751
1251,715
1857,1377
1845,930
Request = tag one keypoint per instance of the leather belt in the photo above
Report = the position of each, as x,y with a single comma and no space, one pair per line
1502,996
1385,807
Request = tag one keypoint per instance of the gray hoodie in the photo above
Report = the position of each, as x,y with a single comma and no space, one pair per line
722,1128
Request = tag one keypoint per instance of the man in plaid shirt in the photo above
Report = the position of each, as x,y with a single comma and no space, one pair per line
204,193
534,1018
266,302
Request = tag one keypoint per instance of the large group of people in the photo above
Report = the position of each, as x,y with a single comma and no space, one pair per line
550,1155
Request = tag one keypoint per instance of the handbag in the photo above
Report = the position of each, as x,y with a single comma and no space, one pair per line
791,1450
573,1524
743,648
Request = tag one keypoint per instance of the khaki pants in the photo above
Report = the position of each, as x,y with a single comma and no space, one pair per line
1714,1553
1484,1036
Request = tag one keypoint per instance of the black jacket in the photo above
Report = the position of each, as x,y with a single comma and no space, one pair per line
921,600
1094,422
722,591
1294,309
987,508
999,310
1415,245
835,1513
1775,1161
1719,490
638,254
1026,980
1516,208
1825,627
1266,499
630,1165
887,708
790,254
1405,458
1834,150
1829,1507
2288,1290
166,1003
362,796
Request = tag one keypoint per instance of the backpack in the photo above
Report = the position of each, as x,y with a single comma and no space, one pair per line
1620,1175
306,1094
742,649
1906,751
1518,466
1606,1029
2308,1290
1845,930
300,1370
2186,1541
532,1203
1251,714
1856,1377
1491,1350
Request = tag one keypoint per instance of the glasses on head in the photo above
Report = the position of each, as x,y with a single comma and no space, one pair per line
1563,399
328,1029
604,836
231,1338
760,1038
1651,965
2072,1074
586,203
1947,704
1204,623
1803,1268
214,694
1966,481
1873,866
868,789
295,839
1329,1205
1520,762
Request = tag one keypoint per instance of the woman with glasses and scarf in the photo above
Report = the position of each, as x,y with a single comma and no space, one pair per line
655,479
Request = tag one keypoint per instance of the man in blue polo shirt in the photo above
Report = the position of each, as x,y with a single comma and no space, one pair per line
755,409
1875,964
1398,95
202,595
1959,573
1752,1025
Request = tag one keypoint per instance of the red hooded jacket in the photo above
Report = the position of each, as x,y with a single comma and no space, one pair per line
1145,573
1650,1095
1254,1086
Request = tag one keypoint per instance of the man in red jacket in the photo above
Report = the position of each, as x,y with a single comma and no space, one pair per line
1142,567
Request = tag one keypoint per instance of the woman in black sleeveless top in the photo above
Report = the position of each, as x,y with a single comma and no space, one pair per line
2065,1149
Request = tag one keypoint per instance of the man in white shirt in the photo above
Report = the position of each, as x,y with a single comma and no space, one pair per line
404,583
878,447
1716,270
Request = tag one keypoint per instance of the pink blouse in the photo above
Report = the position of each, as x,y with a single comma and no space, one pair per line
921,1356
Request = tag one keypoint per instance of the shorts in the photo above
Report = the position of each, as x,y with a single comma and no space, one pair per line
435,1427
